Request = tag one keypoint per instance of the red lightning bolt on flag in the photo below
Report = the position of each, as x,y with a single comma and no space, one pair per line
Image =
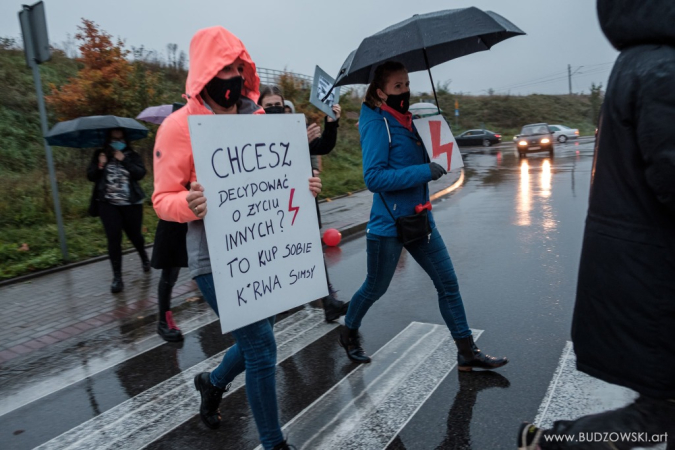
437,148
292,208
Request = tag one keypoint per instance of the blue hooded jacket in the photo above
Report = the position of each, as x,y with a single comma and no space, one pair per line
400,173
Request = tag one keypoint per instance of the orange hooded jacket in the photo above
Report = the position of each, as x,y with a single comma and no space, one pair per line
211,49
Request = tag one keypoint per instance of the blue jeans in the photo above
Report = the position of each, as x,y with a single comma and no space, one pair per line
256,352
383,255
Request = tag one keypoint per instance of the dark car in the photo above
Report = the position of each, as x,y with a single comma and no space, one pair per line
536,137
478,137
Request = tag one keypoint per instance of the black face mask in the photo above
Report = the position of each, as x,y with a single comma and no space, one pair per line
400,102
274,110
225,92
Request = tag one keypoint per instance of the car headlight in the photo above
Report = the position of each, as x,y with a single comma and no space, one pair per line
545,141
522,143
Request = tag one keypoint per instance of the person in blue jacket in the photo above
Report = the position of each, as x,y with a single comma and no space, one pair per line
396,169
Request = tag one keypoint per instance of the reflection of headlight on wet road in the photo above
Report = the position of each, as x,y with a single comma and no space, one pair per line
523,207
546,178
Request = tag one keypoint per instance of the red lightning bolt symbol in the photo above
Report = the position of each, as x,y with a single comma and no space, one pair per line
227,94
437,148
292,208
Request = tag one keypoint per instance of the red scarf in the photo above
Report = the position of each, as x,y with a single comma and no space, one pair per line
403,119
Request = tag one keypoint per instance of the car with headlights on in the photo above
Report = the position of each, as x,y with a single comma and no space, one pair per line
536,137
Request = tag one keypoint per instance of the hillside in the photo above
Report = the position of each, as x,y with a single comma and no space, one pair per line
28,237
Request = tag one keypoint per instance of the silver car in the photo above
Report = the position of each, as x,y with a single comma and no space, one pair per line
563,133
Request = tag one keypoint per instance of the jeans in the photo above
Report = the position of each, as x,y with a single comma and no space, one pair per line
383,255
255,351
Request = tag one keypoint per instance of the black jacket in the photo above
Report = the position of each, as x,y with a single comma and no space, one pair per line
624,319
324,144
132,162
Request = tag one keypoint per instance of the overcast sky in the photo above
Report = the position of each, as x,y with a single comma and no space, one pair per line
298,34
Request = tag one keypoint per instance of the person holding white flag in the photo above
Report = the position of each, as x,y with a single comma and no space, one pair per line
397,169
222,80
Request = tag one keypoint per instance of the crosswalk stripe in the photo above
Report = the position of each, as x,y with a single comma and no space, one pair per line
572,394
46,384
368,407
148,416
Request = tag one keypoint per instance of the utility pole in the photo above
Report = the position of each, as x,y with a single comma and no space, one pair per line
569,76
36,49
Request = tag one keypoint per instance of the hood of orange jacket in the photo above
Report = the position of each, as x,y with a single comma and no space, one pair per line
211,49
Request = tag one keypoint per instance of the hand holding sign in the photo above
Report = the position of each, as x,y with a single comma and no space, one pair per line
196,200
439,142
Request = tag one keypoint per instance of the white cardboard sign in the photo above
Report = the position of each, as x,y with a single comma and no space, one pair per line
261,226
439,142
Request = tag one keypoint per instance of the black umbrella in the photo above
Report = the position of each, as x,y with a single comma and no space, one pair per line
90,131
426,40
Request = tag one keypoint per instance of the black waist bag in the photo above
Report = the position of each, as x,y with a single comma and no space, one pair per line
411,228
414,227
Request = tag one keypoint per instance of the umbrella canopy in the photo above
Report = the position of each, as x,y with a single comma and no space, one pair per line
90,131
423,109
155,114
426,40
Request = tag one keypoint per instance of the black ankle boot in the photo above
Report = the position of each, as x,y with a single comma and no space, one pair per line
117,284
211,396
168,330
470,357
350,340
332,307
284,446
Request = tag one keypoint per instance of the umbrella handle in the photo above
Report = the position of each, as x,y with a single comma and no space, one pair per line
426,61
323,100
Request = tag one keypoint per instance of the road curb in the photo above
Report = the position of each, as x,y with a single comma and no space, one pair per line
351,230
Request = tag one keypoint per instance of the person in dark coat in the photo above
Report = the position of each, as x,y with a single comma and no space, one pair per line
117,198
169,254
623,327
272,100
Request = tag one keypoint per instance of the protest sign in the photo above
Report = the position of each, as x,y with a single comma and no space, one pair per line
439,142
261,226
320,87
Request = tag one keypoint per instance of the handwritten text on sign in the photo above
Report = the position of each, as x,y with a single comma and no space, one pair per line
261,226
439,142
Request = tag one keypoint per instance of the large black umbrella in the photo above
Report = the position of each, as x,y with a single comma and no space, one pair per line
90,131
426,40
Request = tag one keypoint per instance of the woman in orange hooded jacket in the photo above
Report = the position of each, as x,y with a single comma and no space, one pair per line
222,80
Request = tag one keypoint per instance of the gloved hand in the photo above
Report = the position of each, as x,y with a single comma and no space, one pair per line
437,171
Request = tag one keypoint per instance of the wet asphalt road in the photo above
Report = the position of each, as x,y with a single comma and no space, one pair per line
514,233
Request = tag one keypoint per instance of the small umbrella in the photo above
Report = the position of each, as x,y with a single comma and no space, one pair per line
90,131
423,109
157,114
426,40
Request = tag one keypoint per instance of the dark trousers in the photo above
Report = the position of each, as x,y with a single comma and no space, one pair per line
127,218
164,290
